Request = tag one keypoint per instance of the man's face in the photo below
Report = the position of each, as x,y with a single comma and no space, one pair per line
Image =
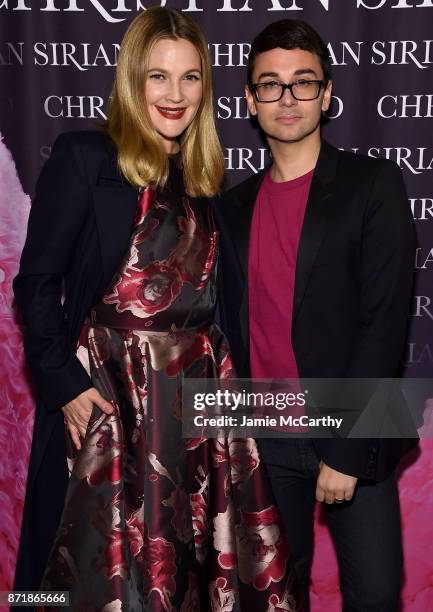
288,120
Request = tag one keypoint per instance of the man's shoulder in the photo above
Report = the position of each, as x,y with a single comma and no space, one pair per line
359,166
352,167
371,180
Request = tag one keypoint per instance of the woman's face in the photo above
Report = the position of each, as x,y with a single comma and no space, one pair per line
173,89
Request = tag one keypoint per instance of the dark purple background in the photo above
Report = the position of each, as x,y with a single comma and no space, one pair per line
395,43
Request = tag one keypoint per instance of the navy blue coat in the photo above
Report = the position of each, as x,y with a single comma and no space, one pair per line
79,229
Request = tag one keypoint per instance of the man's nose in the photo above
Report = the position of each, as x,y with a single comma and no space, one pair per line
287,98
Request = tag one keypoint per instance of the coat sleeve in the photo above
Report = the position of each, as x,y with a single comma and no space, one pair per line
56,218
386,276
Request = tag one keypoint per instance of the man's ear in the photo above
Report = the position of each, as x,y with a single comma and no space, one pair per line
326,102
250,101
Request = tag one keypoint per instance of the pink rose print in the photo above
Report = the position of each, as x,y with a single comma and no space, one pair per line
244,458
116,563
225,369
286,603
108,521
160,568
196,249
191,603
145,203
181,519
193,443
113,606
135,529
102,459
111,472
243,454
261,546
100,344
259,537
200,523
222,598
200,347
225,537
148,291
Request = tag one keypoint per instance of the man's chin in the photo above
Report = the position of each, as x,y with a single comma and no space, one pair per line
284,138
290,137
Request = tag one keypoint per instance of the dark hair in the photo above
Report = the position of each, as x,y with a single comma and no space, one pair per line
290,34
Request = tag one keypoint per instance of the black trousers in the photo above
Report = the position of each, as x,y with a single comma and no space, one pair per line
366,531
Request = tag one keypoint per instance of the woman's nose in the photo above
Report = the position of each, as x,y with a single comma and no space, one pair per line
175,92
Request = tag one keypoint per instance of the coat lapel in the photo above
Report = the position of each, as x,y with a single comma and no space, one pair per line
317,214
244,198
115,203
312,233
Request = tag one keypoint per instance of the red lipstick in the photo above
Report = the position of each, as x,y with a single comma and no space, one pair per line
171,113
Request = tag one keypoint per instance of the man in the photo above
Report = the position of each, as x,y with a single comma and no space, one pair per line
317,259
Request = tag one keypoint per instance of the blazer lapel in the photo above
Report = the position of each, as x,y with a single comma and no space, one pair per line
115,203
242,215
316,218
312,233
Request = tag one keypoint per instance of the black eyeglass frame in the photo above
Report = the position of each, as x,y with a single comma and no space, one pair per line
320,82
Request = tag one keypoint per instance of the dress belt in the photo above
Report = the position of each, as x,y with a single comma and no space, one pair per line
93,319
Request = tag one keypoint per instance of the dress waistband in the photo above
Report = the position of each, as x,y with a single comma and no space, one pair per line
94,319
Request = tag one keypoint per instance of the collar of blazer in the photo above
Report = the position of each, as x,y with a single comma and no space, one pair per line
115,203
242,199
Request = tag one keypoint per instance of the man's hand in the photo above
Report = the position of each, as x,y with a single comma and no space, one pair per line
333,486
77,412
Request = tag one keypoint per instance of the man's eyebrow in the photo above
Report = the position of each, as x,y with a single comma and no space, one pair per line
267,74
305,71
296,73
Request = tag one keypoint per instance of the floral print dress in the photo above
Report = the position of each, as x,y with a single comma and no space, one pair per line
153,521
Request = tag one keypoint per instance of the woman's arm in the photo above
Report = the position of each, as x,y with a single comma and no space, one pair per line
56,218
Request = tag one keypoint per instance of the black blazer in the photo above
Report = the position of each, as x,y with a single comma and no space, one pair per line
79,229
353,285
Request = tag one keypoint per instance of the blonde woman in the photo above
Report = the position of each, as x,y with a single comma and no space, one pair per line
146,520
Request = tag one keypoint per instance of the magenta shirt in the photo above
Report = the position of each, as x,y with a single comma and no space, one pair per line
275,232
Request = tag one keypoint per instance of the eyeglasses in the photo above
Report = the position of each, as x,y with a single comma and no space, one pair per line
272,91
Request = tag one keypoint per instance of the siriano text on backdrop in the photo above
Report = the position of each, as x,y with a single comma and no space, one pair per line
57,60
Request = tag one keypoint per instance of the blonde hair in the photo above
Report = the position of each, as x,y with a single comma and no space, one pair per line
141,156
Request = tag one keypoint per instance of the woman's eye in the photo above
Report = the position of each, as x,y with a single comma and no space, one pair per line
157,76
192,77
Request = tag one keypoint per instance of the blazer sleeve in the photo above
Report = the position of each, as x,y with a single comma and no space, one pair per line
57,215
386,277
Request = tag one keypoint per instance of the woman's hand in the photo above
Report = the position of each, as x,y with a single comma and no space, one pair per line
78,411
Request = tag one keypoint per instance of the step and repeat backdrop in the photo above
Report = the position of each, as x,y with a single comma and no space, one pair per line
57,60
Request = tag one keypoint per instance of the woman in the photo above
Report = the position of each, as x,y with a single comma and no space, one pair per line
151,521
